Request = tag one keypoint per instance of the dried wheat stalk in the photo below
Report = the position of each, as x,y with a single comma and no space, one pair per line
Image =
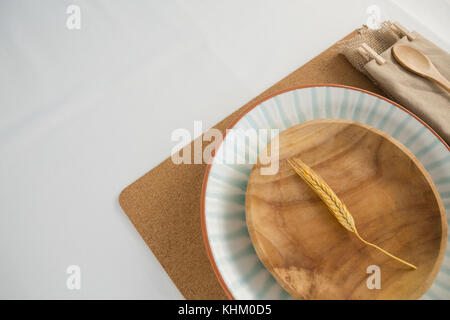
336,206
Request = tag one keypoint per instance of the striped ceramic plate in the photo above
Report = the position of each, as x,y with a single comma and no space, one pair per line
225,232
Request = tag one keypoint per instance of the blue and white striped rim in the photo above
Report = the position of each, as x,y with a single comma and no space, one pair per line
234,259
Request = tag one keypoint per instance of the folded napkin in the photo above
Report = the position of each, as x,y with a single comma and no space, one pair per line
424,98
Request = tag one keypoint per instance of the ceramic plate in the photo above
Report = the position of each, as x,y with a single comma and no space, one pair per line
225,233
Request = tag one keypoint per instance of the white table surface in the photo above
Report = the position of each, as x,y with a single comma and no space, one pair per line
83,113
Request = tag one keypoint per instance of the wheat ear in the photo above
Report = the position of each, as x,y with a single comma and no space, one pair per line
334,204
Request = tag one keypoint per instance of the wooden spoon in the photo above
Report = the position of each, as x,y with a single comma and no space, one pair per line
415,61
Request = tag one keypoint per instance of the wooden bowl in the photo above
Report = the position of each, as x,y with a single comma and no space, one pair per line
387,190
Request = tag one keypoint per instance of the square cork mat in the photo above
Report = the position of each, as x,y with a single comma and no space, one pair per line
164,204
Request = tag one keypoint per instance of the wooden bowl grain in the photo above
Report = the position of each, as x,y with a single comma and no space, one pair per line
387,190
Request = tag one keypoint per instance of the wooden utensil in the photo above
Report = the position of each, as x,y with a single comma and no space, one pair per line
415,61
388,192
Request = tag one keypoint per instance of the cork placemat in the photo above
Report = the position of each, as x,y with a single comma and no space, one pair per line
164,204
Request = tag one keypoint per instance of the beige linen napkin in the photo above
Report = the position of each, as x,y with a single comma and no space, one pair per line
424,98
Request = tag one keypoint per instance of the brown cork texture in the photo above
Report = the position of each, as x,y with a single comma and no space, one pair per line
164,204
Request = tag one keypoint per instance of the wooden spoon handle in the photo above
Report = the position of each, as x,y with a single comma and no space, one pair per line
441,80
